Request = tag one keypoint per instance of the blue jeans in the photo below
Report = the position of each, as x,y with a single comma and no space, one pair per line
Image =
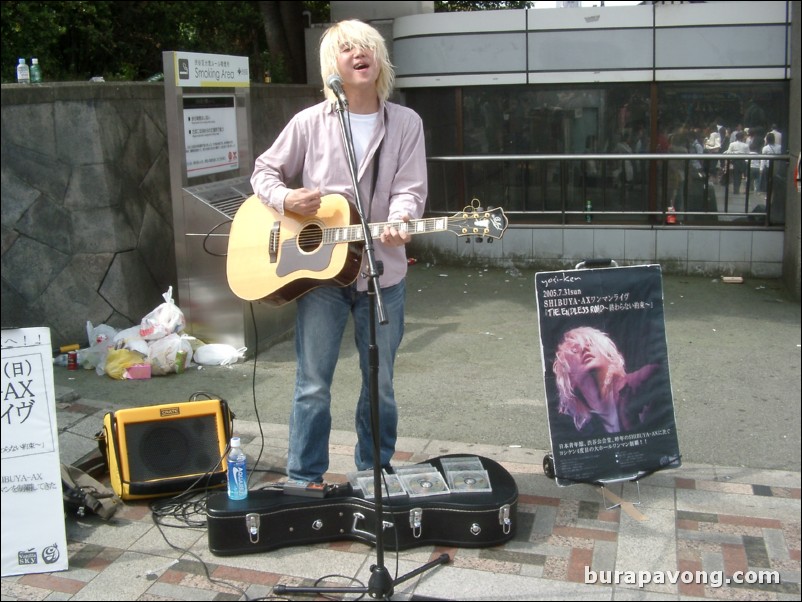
320,323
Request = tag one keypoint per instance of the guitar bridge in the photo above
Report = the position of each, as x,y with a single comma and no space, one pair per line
273,241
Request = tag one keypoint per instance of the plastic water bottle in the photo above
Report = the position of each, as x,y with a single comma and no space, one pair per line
23,72
36,71
237,471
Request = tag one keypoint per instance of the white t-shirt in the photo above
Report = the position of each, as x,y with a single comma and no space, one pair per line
362,129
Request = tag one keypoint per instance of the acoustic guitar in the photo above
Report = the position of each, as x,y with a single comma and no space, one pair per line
277,258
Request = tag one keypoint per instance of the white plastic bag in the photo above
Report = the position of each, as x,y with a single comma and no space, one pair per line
166,319
161,354
95,357
218,354
130,339
99,334
101,339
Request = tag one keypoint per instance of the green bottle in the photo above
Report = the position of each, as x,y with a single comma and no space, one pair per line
36,72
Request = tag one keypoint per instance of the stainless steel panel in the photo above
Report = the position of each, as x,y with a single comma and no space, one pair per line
213,313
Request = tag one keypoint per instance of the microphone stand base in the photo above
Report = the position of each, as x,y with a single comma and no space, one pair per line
380,586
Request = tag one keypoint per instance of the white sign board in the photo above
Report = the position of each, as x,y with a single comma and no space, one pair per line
210,134
197,70
33,530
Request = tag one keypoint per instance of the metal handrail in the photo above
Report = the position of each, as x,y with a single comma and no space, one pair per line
651,180
610,156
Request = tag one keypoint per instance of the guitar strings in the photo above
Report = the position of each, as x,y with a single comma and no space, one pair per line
326,234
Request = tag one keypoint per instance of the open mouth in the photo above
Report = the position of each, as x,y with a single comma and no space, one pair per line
361,66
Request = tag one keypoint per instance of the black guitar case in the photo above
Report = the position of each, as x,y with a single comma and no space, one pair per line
270,519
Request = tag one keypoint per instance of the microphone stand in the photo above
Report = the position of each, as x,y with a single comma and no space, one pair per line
380,585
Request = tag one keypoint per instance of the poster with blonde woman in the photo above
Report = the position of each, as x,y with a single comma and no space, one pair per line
606,373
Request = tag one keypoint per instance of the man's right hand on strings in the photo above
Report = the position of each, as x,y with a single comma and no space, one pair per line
302,201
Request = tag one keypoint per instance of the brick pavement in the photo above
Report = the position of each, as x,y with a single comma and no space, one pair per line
697,523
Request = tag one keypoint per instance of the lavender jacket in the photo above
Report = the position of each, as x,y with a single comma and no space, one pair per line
310,153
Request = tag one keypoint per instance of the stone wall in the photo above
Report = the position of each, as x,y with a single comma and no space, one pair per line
87,226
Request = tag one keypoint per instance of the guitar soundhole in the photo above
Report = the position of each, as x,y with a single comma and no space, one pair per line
310,238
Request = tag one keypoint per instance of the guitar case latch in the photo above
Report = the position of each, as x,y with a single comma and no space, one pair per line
504,519
415,520
252,522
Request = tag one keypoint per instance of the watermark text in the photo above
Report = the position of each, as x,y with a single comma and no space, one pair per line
714,579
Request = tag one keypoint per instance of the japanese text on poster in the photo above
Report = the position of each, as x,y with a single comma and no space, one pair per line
605,362
33,532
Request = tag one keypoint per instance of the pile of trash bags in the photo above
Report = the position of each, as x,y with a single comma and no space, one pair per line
156,347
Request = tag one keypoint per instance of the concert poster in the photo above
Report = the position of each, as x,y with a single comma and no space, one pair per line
606,372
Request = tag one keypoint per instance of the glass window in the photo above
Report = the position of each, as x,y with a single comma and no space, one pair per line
715,119
498,121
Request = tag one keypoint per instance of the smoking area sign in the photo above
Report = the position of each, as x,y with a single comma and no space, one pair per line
198,70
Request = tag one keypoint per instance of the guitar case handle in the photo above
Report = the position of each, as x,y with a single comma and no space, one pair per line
358,516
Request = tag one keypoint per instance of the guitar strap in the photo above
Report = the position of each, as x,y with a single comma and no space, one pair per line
375,176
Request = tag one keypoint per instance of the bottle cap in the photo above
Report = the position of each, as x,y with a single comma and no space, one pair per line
234,441
22,61
34,61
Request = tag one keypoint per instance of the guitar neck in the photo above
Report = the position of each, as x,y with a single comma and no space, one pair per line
354,232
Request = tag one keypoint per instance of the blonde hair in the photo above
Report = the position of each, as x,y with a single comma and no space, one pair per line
355,33
570,404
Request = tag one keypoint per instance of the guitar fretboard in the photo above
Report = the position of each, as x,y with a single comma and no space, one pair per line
354,233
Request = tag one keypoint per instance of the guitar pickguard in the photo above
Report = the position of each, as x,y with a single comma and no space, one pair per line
304,251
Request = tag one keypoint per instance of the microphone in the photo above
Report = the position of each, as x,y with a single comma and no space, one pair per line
335,82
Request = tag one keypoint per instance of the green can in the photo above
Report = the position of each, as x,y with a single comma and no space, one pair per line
180,361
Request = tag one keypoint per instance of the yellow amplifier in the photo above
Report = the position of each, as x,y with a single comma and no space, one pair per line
167,449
